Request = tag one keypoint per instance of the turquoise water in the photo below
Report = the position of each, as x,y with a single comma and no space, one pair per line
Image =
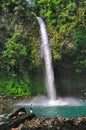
64,111
49,111
56,111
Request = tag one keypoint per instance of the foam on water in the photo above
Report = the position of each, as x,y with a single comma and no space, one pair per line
44,101
3,118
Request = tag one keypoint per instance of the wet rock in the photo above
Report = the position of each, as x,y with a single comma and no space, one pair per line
16,122
41,123
20,111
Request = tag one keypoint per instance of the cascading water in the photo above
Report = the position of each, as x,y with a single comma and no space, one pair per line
48,61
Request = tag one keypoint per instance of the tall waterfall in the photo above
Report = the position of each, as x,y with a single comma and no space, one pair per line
49,75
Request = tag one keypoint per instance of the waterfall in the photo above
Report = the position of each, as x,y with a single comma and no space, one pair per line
49,74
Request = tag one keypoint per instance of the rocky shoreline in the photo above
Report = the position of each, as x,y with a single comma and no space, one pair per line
58,123
30,121
6,102
45,123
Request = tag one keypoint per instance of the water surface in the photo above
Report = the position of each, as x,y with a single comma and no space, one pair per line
65,107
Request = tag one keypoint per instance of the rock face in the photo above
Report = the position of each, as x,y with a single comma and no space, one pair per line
20,111
19,116
7,101
21,119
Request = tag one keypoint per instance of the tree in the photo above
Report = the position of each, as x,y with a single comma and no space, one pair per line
14,50
80,50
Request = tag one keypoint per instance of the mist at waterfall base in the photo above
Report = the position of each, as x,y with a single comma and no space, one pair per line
51,105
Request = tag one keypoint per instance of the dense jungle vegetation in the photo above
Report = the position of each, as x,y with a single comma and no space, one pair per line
19,37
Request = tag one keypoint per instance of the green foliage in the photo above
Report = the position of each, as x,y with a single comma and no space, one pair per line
62,18
14,50
18,48
80,49
12,85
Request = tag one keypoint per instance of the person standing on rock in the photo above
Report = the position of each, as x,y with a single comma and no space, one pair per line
31,108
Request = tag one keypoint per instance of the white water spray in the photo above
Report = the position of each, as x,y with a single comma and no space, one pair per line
48,61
